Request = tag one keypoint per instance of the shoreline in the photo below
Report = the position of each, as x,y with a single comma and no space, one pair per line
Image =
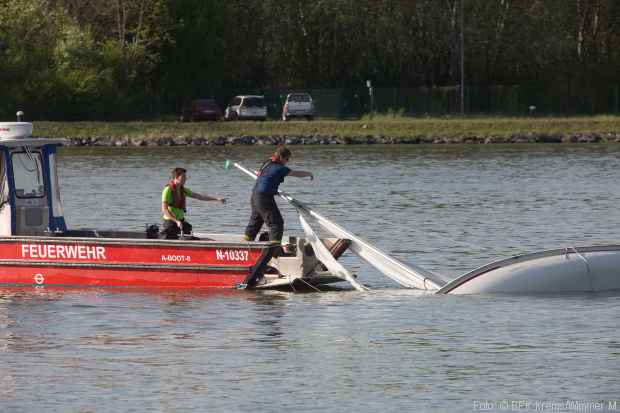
517,138
378,130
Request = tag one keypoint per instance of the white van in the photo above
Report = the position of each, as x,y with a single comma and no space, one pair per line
250,107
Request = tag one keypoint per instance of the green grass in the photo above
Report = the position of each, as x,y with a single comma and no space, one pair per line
378,125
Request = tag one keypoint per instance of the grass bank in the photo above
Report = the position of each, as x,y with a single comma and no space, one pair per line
391,126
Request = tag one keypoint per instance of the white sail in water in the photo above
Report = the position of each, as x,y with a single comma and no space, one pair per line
406,275
323,254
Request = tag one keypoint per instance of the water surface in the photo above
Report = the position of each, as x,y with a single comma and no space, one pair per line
448,209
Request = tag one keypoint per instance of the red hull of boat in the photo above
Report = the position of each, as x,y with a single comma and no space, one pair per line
105,277
74,262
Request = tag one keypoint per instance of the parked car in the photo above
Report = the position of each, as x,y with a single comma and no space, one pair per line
201,109
298,105
246,107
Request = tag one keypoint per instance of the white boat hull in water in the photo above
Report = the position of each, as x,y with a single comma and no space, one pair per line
584,269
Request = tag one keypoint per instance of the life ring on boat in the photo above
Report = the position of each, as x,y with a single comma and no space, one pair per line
39,278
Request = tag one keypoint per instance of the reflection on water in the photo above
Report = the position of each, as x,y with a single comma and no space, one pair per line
447,209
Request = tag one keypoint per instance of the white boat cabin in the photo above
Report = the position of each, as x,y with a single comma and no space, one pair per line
29,193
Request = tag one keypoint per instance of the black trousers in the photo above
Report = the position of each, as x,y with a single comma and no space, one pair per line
264,211
171,230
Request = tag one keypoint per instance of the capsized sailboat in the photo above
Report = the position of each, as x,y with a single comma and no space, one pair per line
573,269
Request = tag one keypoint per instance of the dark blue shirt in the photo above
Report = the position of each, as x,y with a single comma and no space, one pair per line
271,178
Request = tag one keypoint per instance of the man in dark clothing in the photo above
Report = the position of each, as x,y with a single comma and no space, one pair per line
264,208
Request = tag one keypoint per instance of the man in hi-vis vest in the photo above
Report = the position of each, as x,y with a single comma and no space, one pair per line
173,204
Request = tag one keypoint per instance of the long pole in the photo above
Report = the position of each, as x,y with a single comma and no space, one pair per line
462,60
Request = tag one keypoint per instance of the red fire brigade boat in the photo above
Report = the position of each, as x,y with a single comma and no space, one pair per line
37,248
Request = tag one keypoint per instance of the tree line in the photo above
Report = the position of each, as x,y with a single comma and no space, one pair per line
127,59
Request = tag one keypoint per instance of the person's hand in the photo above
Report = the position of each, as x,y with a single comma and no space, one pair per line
221,200
179,224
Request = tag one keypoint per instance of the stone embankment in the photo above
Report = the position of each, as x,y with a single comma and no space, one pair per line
346,140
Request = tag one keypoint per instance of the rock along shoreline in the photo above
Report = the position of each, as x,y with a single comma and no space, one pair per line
610,137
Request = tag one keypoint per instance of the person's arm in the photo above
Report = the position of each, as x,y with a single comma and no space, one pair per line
301,174
203,197
206,197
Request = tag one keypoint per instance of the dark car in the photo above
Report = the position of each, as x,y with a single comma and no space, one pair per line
201,109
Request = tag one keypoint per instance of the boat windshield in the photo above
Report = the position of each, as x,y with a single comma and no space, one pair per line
27,172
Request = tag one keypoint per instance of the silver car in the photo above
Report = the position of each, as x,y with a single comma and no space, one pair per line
250,107
298,105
